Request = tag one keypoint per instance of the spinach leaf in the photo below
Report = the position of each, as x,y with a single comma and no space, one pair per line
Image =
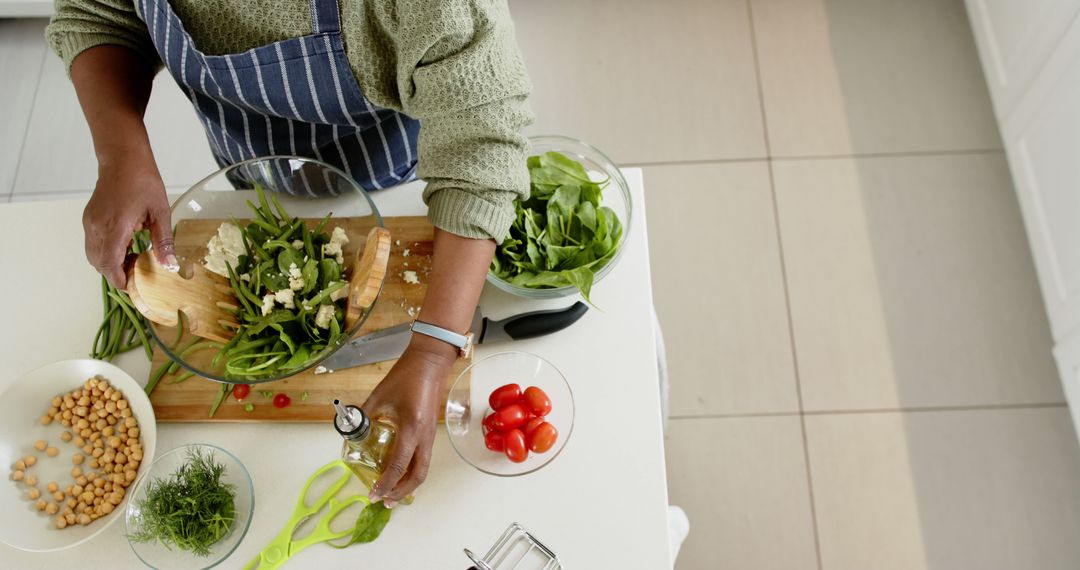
369,525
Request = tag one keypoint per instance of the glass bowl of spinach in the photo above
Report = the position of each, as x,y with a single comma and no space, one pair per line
570,233
283,232
191,509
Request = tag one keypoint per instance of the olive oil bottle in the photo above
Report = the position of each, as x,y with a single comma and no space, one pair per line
367,443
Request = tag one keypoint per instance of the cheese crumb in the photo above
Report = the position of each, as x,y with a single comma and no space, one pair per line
298,244
224,249
339,294
410,277
285,298
405,253
296,279
322,318
268,304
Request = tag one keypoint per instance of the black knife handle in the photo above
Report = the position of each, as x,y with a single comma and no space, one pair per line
534,324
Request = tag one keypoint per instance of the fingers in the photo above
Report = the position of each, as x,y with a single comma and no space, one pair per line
417,473
161,236
106,250
397,463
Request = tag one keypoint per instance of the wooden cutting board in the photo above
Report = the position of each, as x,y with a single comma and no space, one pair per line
190,400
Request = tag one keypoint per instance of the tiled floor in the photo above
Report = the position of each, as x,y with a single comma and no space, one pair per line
860,364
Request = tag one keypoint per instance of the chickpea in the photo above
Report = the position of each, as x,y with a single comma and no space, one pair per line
30,460
53,410
129,476
20,465
57,401
65,423
84,519
85,433
40,505
111,420
31,480
98,452
126,413
98,492
66,436
82,424
70,517
107,507
75,471
51,508
133,432
92,417
52,451
101,424
77,459
87,497
76,490
71,503
33,493
84,401
82,480
46,420
121,458
99,482
40,445
108,430
115,498
108,456
18,475
115,395
122,404
66,415
79,441
88,448
58,496
97,501
61,522
52,487
95,436
94,463
81,411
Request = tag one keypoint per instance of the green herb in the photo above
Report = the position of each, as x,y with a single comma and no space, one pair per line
122,328
562,234
192,509
369,524
249,407
267,394
304,396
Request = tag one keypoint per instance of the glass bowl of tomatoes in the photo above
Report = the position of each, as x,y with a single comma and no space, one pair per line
510,413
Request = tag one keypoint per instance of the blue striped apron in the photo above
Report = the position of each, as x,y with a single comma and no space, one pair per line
296,97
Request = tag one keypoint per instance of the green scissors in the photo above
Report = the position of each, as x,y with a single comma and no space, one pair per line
284,546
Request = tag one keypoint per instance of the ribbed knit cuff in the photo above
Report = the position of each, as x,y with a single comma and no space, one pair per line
468,215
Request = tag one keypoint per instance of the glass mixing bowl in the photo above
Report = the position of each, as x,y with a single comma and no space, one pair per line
467,405
616,196
307,189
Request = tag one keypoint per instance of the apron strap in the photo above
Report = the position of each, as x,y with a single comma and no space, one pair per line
325,17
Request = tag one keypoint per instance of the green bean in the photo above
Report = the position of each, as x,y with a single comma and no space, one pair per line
274,231
237,289
180,326
284,215
136,322
156,377
225,389
187,374
322,223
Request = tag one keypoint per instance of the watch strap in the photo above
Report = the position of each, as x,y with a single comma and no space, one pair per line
462,341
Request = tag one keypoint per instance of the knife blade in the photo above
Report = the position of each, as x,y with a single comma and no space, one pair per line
390,343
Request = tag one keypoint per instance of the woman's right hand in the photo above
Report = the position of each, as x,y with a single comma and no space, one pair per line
129,197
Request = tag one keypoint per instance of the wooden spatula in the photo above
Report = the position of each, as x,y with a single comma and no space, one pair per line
205,298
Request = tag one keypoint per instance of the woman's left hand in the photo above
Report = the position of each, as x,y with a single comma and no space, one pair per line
410,397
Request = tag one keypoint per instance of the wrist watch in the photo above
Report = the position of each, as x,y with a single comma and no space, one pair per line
463,342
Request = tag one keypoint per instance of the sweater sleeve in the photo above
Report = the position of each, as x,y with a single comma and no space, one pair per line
78,25
461,74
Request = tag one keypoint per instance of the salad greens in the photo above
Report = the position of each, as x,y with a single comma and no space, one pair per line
369,524
191,509
562,234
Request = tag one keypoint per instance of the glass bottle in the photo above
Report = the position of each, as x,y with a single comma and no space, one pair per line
367,444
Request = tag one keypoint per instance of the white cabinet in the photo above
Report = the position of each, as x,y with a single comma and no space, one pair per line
1030,50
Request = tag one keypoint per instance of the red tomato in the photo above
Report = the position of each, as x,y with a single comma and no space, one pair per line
281,401
494,440
504,396
543,437
240,391
488,426
510,417
531,426
514,442
536,401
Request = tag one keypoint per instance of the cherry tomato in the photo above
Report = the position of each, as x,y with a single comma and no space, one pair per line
543,437
531,425
514,446
240,391
488,425
494,440
536,401
510,417
504,396
281,401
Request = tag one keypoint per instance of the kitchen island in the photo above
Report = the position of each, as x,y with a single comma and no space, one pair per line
602,504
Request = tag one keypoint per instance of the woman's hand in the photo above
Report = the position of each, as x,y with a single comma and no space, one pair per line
410,397
129,197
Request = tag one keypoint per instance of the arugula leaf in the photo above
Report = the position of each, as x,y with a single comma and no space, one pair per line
369,525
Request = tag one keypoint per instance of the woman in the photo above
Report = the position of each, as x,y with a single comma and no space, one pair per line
367,85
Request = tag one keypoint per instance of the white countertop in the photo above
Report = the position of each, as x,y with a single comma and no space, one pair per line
602,504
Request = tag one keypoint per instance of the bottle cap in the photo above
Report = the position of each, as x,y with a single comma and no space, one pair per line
350,421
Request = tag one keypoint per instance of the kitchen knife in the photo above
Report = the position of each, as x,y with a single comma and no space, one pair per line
390,343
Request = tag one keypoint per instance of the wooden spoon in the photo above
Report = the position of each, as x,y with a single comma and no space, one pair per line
206,298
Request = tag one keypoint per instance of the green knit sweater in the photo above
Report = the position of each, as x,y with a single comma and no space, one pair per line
452,64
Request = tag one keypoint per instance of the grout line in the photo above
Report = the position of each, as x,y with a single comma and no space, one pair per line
810,157
916,409
784,280
29,117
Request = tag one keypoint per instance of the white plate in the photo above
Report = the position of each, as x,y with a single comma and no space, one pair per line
22,526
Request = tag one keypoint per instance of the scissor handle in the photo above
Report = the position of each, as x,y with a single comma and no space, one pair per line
322,531
302,509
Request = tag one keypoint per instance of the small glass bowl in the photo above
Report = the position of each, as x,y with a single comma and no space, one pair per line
616,196
156,554
307,189
467,405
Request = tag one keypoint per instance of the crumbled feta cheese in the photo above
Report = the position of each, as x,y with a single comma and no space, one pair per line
296,279
405,253
338,239
410,277
339,294
298,244
268,304
397,242
224,249
245,277
285,298
323,317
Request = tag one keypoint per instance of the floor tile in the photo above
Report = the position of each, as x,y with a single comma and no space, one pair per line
644,81
57,128
718,288
981,489
911,284
22,48
743,484
871,76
